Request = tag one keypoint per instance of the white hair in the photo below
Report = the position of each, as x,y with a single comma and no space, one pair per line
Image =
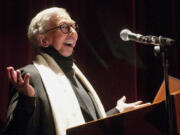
42,21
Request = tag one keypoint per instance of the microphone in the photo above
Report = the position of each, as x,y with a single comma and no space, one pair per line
127,35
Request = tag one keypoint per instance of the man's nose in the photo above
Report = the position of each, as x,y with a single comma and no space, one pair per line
72,29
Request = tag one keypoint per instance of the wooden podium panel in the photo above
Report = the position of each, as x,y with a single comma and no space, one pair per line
174,87
150,120
176,106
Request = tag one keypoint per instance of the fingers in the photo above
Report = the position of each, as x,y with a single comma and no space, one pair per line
12,75
16,79
137,103
123,99
142,105
26,79
145,104
19,78
9,72
148,103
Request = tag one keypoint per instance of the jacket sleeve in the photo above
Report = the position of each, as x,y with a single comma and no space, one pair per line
112,111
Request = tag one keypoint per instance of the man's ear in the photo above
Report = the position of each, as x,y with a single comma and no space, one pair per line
43,41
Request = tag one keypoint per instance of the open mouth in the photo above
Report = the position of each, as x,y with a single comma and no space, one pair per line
69,43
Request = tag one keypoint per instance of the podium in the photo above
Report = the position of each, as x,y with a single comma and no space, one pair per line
148,120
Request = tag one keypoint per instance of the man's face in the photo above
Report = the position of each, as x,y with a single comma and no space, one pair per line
63,43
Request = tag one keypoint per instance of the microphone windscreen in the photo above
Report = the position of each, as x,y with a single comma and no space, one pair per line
124,34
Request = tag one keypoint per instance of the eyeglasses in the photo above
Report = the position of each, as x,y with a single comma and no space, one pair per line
65,28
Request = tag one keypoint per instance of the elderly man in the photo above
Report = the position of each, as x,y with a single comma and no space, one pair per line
51,95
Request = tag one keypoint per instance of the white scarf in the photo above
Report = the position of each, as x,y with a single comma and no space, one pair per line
65,107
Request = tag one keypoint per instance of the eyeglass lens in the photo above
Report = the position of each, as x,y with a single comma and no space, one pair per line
65,28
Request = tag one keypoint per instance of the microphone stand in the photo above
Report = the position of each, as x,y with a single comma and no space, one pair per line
168,102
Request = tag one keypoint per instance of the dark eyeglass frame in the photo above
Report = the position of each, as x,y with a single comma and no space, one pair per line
65,26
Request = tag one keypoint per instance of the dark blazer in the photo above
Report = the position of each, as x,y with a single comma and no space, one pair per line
31,116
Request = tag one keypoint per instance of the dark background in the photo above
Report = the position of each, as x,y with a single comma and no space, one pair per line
115,68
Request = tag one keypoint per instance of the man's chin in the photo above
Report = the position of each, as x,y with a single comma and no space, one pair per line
66,54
